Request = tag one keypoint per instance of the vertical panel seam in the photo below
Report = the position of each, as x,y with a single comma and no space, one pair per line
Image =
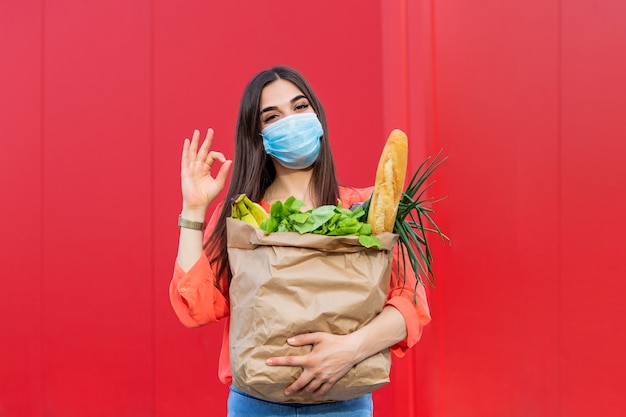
152,204
433,68
42,304
406,118
385,71
559,203
435,138
404,36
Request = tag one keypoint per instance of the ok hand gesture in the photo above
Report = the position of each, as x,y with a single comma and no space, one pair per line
199,188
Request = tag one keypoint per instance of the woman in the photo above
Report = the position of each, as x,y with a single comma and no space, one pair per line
281,150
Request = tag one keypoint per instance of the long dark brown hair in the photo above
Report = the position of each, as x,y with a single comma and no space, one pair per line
253,170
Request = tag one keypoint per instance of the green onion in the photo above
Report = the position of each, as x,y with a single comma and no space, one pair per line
414,221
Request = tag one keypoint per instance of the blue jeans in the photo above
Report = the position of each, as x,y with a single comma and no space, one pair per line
243,405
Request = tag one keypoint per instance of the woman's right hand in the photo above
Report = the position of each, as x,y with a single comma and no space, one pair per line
199,188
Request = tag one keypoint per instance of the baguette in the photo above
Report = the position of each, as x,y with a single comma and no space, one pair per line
389,185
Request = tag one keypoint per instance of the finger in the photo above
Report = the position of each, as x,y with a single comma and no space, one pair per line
286,361
193,147
222,174
205,165
305,339
324,388
214,156
312,386
300,384
184,160
206,145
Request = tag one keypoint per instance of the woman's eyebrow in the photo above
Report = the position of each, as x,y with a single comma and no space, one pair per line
293,100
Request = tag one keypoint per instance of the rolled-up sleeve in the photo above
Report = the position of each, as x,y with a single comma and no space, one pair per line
194,295
410,300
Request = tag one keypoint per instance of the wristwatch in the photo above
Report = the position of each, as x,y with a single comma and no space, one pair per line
189,224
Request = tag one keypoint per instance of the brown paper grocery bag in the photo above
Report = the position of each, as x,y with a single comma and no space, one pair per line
286,284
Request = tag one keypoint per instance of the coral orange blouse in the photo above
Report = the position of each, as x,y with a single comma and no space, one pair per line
197,301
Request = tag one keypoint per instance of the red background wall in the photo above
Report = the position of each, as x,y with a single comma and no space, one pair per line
527,99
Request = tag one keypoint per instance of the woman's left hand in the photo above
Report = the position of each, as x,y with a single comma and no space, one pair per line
331,358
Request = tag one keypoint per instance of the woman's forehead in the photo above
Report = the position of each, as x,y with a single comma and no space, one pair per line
279,92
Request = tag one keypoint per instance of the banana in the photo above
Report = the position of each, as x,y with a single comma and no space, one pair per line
241,212
256,210
248,211
236,214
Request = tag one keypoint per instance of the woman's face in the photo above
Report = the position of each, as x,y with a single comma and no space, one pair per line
282,98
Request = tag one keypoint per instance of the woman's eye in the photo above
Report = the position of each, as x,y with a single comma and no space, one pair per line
302,106
269,118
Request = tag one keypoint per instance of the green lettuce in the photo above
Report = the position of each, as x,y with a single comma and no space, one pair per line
287,216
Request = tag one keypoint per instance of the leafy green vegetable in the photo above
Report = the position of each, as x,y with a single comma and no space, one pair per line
324,220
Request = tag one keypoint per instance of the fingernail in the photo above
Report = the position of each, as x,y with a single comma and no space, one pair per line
269,361
291,340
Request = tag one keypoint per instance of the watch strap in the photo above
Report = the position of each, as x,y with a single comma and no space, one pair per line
189,224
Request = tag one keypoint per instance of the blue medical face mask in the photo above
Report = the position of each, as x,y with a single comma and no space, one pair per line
294,140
